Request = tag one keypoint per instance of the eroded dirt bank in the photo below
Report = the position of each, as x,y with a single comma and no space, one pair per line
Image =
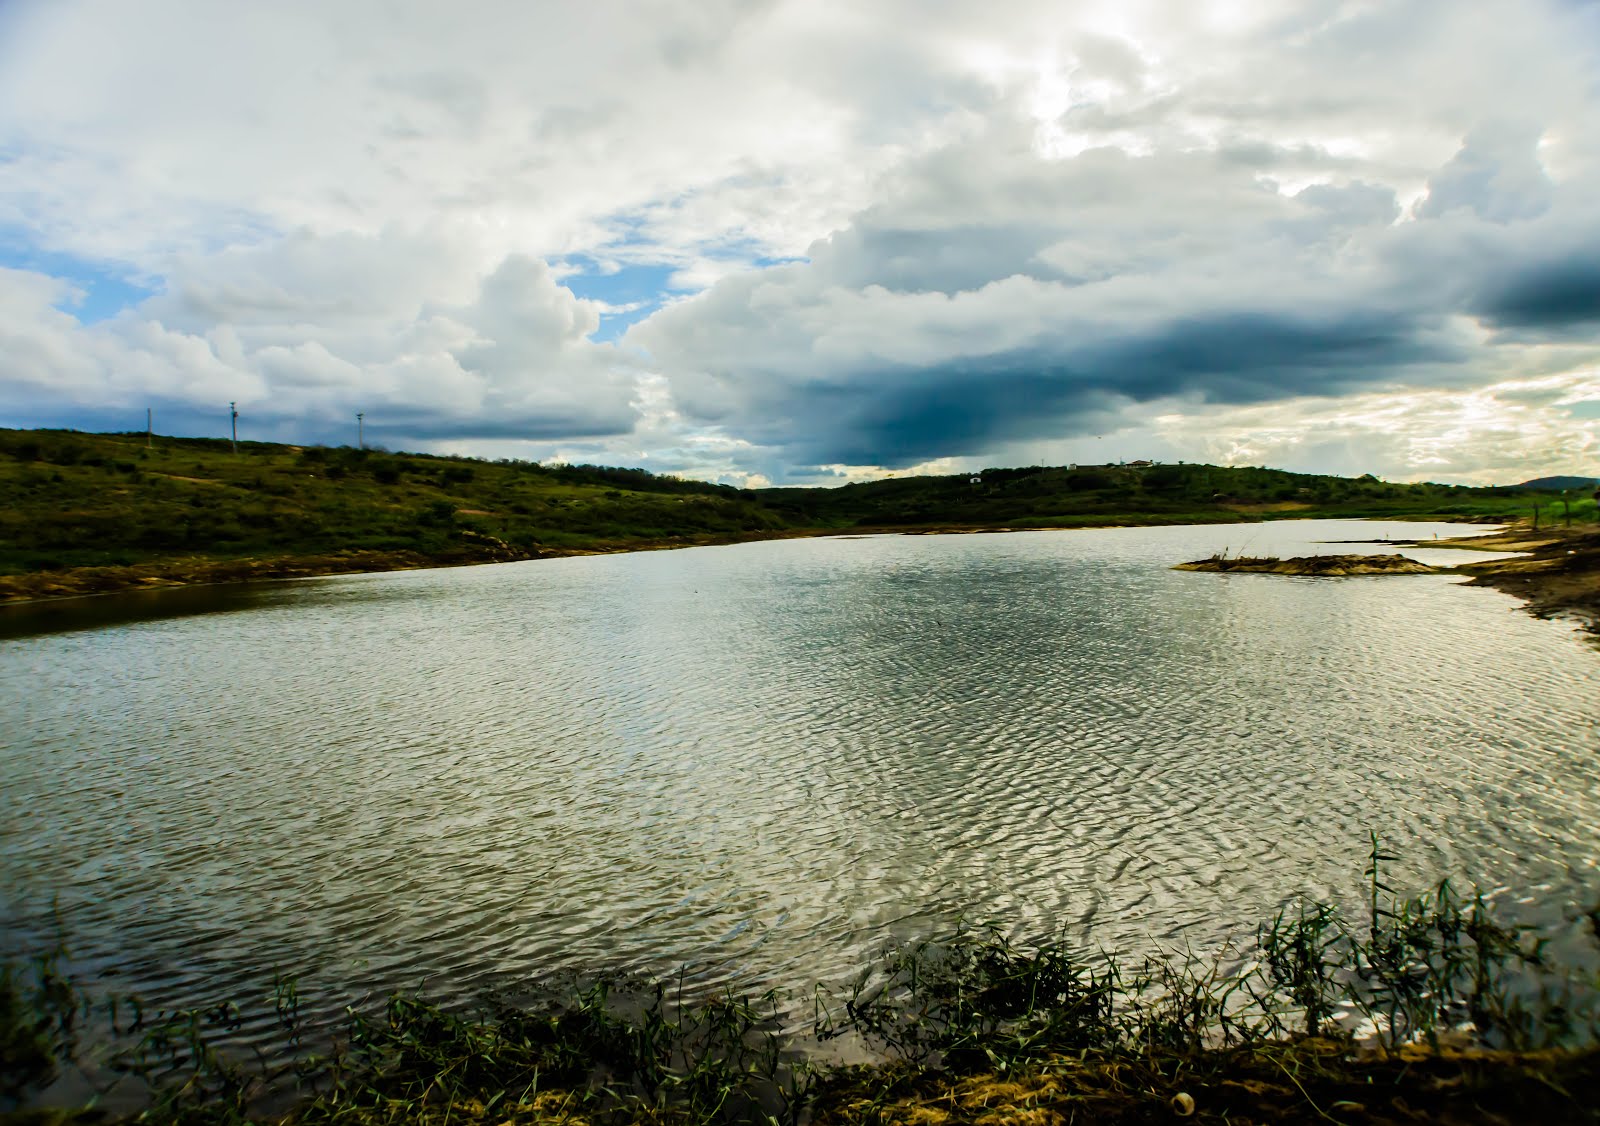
1559,576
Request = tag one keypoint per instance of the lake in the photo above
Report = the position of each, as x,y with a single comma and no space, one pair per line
763,761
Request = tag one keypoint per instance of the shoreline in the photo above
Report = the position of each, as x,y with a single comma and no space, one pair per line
960,1028
1556,571
185,571
90,582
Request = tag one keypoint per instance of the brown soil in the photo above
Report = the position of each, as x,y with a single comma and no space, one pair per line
1312,1081
192,480
183,572
472,548
1268,506
1557,572
1322,565
1558,577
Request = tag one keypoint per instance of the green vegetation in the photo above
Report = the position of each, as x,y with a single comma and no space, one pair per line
103,511
1039,496
1462,1017
106,502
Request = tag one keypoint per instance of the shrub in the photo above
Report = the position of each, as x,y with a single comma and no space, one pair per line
441,513
1086,480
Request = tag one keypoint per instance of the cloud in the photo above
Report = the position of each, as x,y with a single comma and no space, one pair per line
1549,294
1096,281
879,236
307,331
535,129
1496,175
1493,435
1172,235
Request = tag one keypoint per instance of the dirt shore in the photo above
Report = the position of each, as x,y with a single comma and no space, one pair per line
1320,565
1558,576
200,570
1555,571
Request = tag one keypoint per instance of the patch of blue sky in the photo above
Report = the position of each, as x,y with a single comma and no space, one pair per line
631,292
624,285
106,290
1588,408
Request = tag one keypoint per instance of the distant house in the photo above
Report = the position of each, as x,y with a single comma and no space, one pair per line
1140,464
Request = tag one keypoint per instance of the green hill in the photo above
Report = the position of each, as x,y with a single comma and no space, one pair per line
1045,497
86,512
77,500
1558,484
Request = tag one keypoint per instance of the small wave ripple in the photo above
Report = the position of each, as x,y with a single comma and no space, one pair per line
763,761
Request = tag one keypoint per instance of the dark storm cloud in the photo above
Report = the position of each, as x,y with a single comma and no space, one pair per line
954,410
897,417
1548,295
1248,357
995,294
998,223
1098,284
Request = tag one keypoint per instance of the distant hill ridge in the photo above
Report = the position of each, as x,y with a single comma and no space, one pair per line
91,512
1559,483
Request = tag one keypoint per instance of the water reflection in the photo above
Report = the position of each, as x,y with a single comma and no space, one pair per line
100,611
56,615
761,760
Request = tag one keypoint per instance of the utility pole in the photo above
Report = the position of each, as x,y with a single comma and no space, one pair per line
361,436
149,429
233,409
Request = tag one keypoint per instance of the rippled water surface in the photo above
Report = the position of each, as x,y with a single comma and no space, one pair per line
762,760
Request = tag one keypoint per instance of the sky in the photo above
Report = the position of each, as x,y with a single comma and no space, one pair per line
814,241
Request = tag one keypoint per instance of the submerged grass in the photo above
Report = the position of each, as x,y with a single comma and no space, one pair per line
1427,1009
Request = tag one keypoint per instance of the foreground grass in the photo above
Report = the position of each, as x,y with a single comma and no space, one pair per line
87,513
1466,1018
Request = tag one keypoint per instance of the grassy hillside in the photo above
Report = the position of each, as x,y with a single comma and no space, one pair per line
75,500
102,511
1561,484
1040,496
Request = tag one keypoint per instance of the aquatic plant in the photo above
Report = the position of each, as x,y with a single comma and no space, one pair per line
1317,1012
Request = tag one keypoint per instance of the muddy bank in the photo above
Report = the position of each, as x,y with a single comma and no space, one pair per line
1321,565
1556,571
1306,1081
80,581
197,570
1558,576
472,548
